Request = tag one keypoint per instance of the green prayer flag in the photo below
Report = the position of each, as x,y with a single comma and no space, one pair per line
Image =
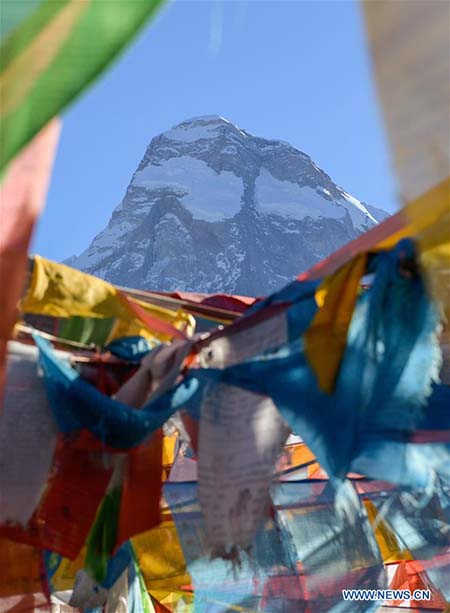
147,605
12,12
53,54
86,330
103,535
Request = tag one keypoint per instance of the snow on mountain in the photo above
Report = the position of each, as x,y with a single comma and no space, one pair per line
209,195
212,208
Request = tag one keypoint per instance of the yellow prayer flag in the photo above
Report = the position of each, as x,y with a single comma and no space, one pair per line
60,291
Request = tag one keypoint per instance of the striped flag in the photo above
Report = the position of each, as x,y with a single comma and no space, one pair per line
51,51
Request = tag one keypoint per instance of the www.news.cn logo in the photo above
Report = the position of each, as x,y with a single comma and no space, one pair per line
386,595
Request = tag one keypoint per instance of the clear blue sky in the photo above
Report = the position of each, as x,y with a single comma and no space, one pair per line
296,70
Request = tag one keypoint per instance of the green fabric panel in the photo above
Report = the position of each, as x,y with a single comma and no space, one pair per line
147,604
86,329
103,535
13,12
101,32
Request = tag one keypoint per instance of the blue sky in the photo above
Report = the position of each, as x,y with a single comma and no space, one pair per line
295,70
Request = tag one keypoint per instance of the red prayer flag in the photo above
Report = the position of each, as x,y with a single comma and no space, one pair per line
22,197
76,486
141,489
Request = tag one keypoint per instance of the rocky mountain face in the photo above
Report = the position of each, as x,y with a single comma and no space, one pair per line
212,208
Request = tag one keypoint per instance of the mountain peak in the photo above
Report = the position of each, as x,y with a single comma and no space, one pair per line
212,208
205,119
202,127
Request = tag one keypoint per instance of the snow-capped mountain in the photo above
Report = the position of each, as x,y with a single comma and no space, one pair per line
212,208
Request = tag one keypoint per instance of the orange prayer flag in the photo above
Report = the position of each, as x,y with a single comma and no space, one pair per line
20,569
